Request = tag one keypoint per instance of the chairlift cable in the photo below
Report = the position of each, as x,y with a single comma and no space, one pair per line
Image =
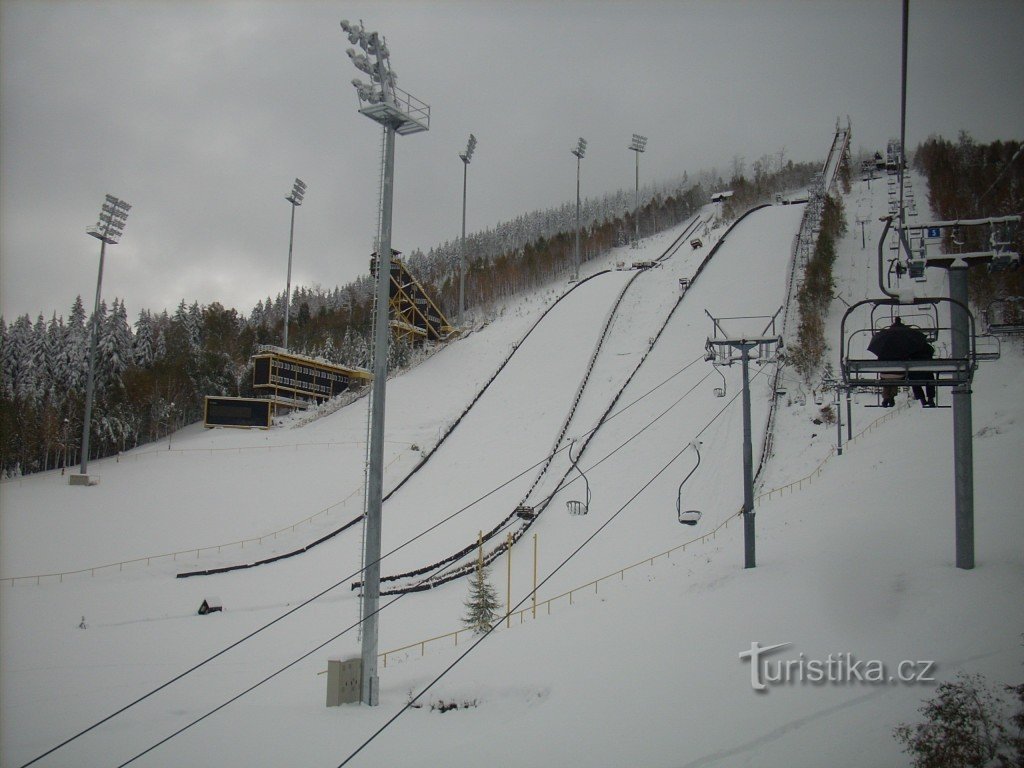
323,592
403,594
547,578
288,613
452,561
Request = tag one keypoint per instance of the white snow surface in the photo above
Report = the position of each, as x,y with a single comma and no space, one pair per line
639,670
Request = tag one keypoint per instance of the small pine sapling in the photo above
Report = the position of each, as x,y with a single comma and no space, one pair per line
482,605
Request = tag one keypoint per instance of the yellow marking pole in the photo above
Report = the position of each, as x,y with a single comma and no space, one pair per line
508,591
535,575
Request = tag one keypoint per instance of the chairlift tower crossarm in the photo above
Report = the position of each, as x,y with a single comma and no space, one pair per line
923,232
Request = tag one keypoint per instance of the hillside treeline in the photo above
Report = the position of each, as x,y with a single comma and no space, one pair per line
968,180
814,296
152,373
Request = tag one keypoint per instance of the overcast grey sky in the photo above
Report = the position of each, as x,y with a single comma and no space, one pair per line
202,113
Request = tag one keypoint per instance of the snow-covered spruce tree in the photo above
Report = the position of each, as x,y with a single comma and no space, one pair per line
482,605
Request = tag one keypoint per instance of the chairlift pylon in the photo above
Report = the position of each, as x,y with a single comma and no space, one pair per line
578,507
688,516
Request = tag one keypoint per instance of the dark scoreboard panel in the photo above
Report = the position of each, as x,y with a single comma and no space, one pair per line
237,412
303,377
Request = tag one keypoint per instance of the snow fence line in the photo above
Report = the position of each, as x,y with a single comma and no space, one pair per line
92,571
196,551
546,604
59,576
521,614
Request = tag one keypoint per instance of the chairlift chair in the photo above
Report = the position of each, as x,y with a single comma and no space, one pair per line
1001,320
1001,243
524,512
719,391
578,507
988,347
940,371
688,516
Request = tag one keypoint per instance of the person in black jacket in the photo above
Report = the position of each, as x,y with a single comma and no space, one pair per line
900,342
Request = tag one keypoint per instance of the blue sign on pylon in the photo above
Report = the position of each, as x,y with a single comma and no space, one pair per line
934,232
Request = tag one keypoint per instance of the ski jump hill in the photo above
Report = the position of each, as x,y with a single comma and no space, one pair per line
629,652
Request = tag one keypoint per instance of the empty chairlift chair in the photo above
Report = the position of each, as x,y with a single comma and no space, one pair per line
524,512
1005,317
988,347
720,391
579,507
688,516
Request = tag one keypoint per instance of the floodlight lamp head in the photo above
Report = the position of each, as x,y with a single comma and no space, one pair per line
639,143
366,92
581,148
298,192
470,146
355,33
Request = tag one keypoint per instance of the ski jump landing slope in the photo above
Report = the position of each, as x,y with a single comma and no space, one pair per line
142,622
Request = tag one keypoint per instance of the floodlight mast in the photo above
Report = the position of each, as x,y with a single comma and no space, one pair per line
295,198
639,145
465,157
580,151
398,112
108,230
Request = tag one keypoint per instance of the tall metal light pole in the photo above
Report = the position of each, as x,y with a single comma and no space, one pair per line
580,151
465,157
295,198
108,230
398,112
639,145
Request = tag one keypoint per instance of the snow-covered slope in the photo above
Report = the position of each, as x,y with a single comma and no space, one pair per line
641,669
